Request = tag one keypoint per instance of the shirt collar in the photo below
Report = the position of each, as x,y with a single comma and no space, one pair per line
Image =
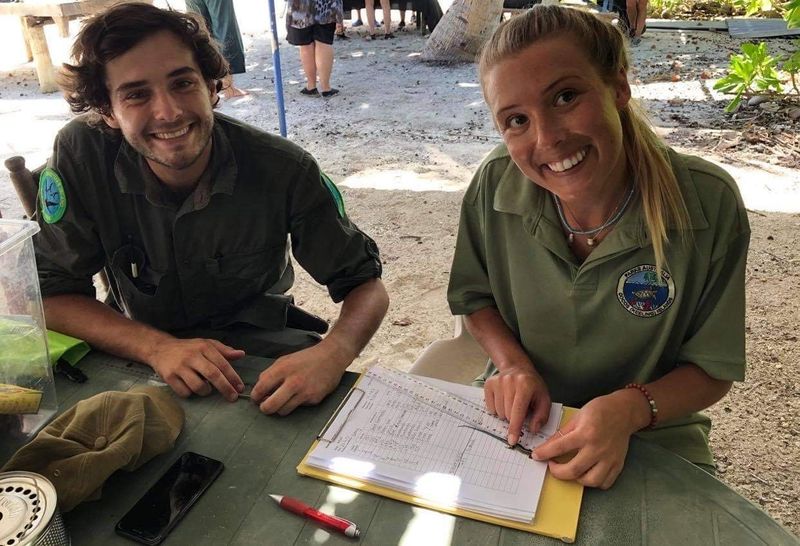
516,194
134,175
697,218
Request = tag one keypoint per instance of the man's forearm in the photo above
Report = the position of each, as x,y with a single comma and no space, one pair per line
362,311
102,327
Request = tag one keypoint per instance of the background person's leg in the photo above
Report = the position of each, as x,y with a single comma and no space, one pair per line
230,90
403,4
386,8
308,60
629,18
641,17
370,7
324,62
222,25
340,34
226,30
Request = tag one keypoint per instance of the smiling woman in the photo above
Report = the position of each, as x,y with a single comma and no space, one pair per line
594,265
599,80
562,127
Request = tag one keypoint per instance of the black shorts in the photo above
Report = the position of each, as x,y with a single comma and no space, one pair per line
314,33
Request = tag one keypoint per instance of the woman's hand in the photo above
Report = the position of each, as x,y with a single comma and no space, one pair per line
512,392
600,434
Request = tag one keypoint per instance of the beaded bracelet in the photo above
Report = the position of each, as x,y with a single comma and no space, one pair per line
650,401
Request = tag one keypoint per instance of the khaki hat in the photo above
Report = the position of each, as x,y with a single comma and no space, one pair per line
94,438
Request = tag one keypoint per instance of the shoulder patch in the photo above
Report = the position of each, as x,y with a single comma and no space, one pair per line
52,198
335,193
642,293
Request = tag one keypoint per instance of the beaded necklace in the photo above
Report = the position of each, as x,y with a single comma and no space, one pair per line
591,234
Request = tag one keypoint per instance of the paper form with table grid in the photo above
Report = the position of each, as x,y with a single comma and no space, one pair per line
384,436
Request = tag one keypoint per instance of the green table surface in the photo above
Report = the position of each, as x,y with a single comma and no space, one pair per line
658,499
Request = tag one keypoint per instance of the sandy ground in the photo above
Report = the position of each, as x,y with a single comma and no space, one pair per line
402,140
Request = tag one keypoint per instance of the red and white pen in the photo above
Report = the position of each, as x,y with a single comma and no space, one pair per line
347,528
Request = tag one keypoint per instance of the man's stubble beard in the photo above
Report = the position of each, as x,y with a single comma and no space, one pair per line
205,126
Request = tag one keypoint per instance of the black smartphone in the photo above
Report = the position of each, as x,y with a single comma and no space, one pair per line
165,503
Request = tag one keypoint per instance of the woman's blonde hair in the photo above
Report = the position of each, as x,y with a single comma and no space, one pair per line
646,155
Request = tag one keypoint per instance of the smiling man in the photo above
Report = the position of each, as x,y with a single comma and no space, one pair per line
192,215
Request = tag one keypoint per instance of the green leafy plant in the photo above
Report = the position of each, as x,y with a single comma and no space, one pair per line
660,8
754,71
752,7
792,15
792,66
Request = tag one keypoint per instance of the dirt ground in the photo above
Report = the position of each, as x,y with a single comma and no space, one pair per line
402,140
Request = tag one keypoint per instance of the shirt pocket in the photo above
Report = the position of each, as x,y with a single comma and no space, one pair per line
145,294
239,277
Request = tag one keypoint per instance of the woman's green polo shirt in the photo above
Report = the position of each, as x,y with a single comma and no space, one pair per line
592,327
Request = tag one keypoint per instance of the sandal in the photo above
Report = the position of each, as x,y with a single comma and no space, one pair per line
388,36
401,26
341,36
333,91
309,92
373,36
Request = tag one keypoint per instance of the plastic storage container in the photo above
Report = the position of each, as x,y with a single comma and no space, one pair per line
27,392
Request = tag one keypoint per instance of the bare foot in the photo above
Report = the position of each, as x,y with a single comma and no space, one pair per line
233,91
229,90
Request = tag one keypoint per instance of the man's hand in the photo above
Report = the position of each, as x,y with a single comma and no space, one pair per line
301,378
194,365
510,393
308,376
600,434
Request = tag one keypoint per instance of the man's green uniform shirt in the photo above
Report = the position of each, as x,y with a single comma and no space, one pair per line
216,258
590,328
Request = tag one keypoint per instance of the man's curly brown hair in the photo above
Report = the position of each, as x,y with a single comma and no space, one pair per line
116,30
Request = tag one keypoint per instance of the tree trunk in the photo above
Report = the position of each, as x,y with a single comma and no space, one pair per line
463,30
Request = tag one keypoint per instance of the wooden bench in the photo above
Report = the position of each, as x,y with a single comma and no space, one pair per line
34,15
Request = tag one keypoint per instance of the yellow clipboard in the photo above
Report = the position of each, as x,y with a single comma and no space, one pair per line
556,515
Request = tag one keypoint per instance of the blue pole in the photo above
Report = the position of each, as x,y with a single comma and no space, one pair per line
276,63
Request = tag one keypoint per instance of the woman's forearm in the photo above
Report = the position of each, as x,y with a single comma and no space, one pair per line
491,332
682,391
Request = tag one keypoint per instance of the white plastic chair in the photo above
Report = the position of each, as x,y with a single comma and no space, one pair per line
459,359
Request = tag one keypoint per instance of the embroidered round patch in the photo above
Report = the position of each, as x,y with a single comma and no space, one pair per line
52,198
642,293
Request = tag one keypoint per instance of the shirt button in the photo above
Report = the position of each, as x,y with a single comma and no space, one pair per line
100,442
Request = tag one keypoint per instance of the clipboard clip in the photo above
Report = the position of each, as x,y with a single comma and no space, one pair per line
342,405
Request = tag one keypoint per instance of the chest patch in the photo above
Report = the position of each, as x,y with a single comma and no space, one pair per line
53,200
642,293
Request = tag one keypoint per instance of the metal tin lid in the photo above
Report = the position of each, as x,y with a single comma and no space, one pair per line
27,504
